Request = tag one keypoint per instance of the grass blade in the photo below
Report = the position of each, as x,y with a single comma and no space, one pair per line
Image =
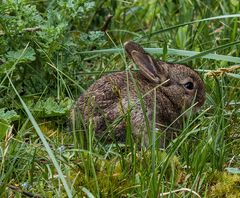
208,51
171,51
44,141
233,75
192,22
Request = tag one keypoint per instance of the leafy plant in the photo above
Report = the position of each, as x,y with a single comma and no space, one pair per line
51,51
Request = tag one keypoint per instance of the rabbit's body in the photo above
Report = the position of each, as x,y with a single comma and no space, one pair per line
110,98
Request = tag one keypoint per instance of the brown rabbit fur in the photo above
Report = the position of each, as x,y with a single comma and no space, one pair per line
107,102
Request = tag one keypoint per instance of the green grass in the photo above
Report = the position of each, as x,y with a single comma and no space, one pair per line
43,72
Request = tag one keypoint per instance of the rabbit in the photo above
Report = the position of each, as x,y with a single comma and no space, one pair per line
172,88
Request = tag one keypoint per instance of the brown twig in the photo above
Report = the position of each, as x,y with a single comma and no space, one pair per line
180,190
28,194
221,71
106,23
31,29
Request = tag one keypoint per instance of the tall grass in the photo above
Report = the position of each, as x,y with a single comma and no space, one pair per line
38,158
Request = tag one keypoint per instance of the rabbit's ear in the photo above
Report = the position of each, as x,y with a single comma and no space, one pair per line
146,65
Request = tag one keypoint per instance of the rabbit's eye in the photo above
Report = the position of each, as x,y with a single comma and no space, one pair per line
189,85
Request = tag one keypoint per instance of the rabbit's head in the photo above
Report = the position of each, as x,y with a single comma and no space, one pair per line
180,84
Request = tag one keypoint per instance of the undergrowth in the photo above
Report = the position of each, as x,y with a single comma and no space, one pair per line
51,51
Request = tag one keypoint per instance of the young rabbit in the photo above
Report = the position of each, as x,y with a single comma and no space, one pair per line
170,88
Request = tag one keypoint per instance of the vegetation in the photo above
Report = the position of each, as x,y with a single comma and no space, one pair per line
51,51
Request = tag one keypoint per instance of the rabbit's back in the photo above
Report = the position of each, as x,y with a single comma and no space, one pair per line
111,98
103,94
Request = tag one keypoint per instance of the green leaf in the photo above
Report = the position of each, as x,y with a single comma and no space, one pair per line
8,116
234,2
3,129
21,55
52,108
13,57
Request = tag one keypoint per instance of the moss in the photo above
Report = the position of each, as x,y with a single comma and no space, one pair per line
225,185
